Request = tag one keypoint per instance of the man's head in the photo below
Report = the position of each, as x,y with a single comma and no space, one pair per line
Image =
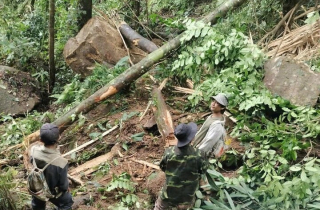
219,103
185,133
49,134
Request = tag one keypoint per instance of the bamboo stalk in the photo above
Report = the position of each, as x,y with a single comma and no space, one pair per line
90,142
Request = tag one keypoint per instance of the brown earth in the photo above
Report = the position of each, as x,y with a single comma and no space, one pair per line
149,180
150,148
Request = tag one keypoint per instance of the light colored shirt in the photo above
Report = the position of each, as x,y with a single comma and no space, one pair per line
209,135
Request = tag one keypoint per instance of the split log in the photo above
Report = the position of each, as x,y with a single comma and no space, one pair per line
163,118
133,72
89,165
136,39
75,180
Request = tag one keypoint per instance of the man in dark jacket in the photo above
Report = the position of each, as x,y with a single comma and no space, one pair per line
56,174
183,166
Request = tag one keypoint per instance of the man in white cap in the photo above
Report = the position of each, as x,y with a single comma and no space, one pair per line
210,138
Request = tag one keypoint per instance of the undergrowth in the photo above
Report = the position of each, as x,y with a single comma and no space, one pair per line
277,131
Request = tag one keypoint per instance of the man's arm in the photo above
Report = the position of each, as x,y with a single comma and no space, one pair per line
164,160
213,135
63,181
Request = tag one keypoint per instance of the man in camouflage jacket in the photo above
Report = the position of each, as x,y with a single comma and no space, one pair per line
183,166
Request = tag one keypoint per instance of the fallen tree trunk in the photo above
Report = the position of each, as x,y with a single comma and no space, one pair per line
132,73
136,39
163,118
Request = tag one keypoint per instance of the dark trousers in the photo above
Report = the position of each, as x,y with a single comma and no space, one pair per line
64,202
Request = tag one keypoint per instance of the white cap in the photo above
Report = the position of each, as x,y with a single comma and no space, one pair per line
221,99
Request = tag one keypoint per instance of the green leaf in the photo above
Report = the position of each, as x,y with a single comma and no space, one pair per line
282,160
304,177
312,169
271,152
312,17
216,61
125,146
278,177
315,205
286,109
199,194
204,31
229,200
198,31
94,135
197,203
294,115
138,136
212,182
198,60
115,161
295,168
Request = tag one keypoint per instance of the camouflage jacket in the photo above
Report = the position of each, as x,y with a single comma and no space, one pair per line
183,167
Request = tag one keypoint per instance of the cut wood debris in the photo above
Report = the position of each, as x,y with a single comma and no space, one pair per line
186,90
302,43
90,142
163,118
88,167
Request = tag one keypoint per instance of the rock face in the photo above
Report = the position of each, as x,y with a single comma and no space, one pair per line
292,81
18,92
97,41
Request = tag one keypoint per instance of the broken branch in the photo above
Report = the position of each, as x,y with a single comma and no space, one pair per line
151,165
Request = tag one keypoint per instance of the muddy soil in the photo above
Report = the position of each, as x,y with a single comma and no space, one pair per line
149,146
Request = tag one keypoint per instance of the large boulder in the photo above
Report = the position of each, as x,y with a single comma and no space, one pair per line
292,80
18,91
98,41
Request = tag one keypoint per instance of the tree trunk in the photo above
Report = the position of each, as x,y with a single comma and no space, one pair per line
136,7
136,39
52,71
86,7
163,118
32,5
288,5
131,73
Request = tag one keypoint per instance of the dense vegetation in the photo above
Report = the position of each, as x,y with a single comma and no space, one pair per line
278,170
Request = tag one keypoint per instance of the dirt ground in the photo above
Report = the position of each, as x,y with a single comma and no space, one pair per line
150,148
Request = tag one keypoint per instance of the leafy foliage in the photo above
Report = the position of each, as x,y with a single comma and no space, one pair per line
24,35
6,199
283,187
76,91
226,61
125,189
17,128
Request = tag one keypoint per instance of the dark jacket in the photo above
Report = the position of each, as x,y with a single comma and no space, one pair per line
57,172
